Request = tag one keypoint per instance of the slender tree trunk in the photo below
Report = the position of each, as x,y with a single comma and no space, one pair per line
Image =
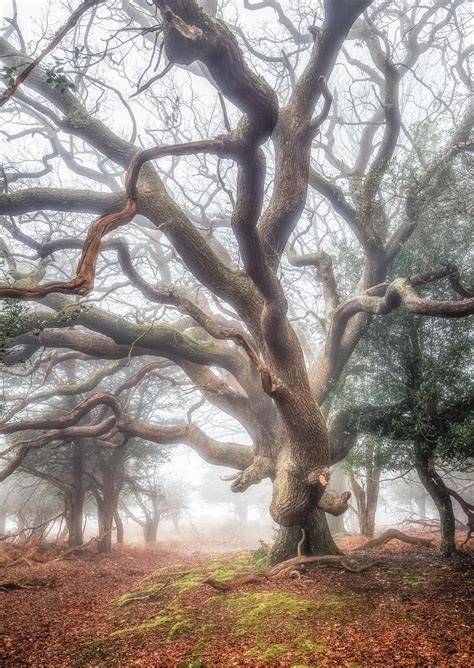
111,486
109,508
361,503
367,498
421,505
373,487
318,539
100,512
241,510
3,520
118,528
175,520
338,484
63,532
75,515
436,488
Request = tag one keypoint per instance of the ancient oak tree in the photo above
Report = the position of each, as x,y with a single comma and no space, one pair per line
255,170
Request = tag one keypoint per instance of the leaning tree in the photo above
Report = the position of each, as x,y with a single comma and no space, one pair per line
236,195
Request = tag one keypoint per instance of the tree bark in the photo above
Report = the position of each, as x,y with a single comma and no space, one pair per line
108,510
150,529
435,487
318,540
118,528
373,486
75,511
111,486
367,498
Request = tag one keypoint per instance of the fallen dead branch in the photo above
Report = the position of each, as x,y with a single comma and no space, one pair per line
33,531
78,548
34,555
31,583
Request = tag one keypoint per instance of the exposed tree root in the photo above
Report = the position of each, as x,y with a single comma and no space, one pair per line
143,596
394,534
292,567
227,585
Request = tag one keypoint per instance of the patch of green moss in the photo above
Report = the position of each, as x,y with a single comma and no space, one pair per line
307,646
187,582
257,610
154,623
207,630
136,595
299,647
273,652
254,615
331,601
236,562
184,579
179,629
261,563
172,616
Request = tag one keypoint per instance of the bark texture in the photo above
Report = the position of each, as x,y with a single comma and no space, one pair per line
438,491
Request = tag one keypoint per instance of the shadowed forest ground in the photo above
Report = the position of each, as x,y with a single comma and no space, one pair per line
148,607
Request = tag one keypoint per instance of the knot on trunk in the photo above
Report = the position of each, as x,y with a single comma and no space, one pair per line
261,468
333,504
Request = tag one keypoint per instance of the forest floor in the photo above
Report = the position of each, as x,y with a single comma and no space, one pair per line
148,607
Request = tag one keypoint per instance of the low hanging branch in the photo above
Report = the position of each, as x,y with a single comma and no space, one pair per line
67,427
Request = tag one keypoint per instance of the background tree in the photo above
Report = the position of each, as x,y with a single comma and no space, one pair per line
150,497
